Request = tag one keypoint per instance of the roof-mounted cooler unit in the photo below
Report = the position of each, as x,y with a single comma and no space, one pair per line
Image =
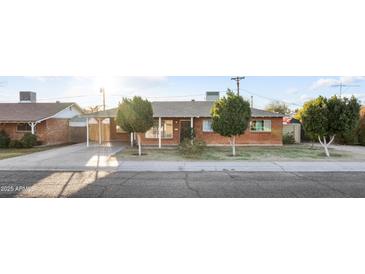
27,97
211,95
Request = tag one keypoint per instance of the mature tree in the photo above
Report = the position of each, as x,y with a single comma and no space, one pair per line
278,107
231,117
135,115
326,118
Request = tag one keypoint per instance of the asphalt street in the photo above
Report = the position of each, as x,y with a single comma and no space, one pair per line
228,184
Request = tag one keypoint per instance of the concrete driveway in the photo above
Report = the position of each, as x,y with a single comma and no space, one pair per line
73,157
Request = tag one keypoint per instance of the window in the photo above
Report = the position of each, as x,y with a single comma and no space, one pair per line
207,125
23,128
166,130
261,126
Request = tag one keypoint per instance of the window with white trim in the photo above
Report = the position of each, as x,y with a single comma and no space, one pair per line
207,125
260,126
166,130
23,127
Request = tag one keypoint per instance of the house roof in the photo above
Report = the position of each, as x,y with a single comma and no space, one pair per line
181,109
29,112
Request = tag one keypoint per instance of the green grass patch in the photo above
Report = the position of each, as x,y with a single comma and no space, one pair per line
287,152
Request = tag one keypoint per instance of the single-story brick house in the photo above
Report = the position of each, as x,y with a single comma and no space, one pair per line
49,121
174,117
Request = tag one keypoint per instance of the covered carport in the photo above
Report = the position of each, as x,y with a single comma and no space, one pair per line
98,126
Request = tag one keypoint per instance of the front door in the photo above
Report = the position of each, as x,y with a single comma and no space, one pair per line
185,130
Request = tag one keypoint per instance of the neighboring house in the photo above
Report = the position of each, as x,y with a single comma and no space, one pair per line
293,127
49,121
174,118
287,120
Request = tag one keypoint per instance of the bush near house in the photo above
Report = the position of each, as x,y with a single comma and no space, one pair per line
15,144
288,139
29,140
4,139
191,149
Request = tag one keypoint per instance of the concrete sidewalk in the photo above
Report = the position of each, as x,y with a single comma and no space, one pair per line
292,166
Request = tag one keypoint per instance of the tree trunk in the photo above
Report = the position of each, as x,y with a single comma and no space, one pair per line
234,146
325,144
132,138
139,144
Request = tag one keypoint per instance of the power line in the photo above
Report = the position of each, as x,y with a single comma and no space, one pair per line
68,97
159,97
271,99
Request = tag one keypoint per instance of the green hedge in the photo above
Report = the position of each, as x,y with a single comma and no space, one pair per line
15,144
288,139
4,139
29,140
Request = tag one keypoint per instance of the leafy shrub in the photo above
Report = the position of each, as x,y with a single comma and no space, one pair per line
191,149
29,140
4,139
15,144
288,139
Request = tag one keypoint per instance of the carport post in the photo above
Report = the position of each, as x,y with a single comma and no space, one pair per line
159,132
87,132
99,131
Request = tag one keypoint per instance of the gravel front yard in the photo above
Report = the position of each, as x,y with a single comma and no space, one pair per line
287,152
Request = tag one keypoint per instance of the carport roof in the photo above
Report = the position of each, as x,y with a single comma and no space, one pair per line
181,109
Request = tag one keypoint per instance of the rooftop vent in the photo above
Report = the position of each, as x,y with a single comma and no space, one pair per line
211,95
27,97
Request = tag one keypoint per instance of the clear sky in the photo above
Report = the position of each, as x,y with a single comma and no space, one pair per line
85,90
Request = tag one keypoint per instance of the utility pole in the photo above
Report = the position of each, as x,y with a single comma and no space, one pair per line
102,90
342,85
238,79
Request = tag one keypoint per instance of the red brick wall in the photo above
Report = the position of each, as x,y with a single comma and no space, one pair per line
10,129
116,136
248,138
51,131
57,131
